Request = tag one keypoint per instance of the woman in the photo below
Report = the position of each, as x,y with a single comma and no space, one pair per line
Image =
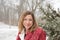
28,29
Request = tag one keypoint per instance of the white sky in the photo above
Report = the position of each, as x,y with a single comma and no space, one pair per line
55,3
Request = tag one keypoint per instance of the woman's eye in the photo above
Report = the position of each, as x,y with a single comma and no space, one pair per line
30,19
25,19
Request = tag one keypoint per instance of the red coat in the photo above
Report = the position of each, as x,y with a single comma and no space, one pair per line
38,34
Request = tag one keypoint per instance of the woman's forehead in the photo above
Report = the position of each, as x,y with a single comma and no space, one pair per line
28,16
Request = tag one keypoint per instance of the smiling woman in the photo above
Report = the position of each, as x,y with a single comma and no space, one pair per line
28,22
28,28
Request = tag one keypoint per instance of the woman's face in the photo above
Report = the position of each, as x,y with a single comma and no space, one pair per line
28,21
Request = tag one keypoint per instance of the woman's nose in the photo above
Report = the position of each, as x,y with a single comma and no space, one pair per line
27,21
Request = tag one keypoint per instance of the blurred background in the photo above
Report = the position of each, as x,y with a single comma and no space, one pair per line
47,14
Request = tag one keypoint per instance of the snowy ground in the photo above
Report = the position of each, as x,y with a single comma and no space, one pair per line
6,33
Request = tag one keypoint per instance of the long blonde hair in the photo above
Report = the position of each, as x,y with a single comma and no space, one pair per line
21,19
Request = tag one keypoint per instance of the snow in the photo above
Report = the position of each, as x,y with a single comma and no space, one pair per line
7,33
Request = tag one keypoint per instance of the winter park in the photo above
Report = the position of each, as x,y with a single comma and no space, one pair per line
46,12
